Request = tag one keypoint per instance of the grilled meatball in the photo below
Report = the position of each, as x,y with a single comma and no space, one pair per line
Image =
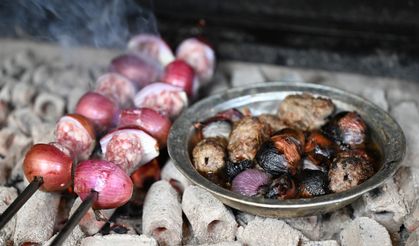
349,169
209,155
246,137
305,111
274,122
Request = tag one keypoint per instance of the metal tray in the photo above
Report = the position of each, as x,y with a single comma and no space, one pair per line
264,98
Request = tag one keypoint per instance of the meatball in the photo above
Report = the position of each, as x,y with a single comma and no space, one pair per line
209,155
246,138
349,169
305,111
274,122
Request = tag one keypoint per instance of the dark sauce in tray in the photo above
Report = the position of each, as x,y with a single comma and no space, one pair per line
371,147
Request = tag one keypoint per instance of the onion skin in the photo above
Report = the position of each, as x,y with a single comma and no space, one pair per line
77,133
152,46
154,123
116,87
250,182
113,185
52,164
146,174
164,98
136,68
99,109
180,74
200,56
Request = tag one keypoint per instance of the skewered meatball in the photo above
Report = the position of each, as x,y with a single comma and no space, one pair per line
305,111
274,122
246,137
349,169
209,155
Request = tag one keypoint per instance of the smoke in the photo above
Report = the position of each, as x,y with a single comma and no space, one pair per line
100,23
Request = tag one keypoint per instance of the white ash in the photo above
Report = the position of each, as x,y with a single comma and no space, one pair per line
43,133
385,205
309,226
36,219
235,243
333,223
364,231
49,107
413,239
268,231
74,239
7,195
172,175
23,94
321,243
211,221
23,119
407,179
244,218
118,239
407,115
162,214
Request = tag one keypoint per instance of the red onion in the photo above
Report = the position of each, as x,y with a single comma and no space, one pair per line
164,98
152,46
146,174
110,181
52,164
129,148
136,68
77,133
250,182
199,55
101,110
116,87
154,123
180,74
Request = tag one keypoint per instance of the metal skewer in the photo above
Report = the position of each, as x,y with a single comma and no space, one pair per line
75,218
20,200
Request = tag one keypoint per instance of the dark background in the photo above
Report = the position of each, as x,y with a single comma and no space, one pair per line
377,37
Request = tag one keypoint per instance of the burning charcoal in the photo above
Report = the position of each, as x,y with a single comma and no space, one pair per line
209,155
23,94
280,233
246,138
121,240
162,214
49,106
6,91
244,218
23,119
313,183
26,60
172,175
35,220
364,231
11,69
348,129
349,169
7,136
305,111
321,243
274,122
211,221
7,196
